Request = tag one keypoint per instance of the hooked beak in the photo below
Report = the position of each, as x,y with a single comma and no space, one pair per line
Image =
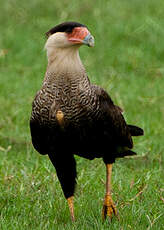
89,40
81,35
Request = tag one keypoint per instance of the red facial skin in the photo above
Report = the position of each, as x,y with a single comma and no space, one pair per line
78,34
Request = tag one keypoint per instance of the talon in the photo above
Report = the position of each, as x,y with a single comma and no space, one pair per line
109,208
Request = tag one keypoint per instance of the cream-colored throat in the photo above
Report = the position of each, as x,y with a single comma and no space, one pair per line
64,60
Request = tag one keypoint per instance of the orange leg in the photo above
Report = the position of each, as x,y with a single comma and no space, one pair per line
108,208
71,207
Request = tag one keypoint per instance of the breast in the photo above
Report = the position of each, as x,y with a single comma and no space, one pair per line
41,105
70,94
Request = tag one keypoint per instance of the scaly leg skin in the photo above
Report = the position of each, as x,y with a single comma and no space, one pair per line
108,208
71,207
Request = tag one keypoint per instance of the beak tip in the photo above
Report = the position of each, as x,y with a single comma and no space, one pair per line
89,40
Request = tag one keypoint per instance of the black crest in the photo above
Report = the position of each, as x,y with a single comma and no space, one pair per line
64,27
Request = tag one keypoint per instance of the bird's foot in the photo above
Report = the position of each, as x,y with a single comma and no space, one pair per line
71,207
109,208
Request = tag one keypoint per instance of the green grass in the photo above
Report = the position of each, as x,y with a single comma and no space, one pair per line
128,61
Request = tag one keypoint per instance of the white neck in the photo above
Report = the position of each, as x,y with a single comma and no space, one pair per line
64,60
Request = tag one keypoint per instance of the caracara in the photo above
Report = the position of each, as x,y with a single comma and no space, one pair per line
70,116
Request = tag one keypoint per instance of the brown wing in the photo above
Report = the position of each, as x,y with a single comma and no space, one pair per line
114,124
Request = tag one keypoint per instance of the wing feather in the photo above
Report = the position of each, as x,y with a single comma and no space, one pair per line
114,123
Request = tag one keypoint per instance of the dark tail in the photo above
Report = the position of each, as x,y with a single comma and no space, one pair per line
135,131
123,151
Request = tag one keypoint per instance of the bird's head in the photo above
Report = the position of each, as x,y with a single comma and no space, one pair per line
69,34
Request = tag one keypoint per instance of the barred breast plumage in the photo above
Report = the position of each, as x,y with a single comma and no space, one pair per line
72,95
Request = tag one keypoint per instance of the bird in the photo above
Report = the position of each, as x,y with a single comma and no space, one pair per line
71,116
